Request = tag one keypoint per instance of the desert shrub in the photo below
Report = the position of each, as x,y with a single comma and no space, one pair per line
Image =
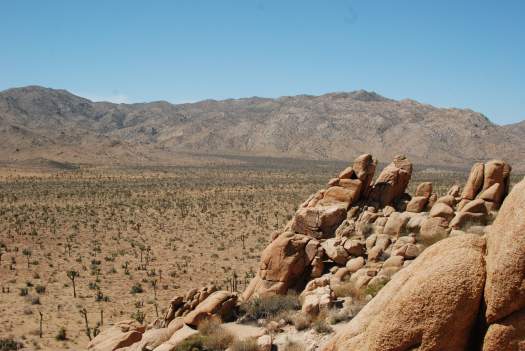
61,335
193,343
215,337
9,344
244,345
139,316
35,300
269,306
24,291
374,289
137,288
40,289
301,321
349,290
293,346
337,316
322,327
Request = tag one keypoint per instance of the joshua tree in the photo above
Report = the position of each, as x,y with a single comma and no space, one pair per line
41,318
73,275
27,253
83,312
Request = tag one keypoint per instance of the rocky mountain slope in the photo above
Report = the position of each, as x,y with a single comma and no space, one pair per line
55,124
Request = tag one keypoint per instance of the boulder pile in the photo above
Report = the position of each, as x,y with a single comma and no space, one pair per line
464,293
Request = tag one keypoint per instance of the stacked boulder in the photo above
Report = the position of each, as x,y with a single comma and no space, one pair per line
180,322
489,182
341,234
361,233
463,293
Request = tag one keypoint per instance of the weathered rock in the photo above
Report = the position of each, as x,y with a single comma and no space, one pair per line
417,204
354,247
355,264
153,338
122,334
507,334
433,230
375,253
317,299
448,200
176,339
364,168
432,200
319,221
424,189
505,286
494,173
416,309
283,265
414,223
475,206
396,224
474,182
335,251
347,194
442,210
394,261
392,182
219,304
454,191
467,219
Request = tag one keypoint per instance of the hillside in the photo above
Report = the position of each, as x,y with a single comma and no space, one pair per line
38,122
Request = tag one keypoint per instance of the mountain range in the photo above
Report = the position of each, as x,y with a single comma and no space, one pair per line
38,122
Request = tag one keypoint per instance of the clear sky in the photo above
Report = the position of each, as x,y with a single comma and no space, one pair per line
451,53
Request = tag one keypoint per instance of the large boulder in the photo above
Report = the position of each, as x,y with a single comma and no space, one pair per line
283,265
392,182
364,168
122,334
220,304
416,309
496,173
474,182
505,287
319,221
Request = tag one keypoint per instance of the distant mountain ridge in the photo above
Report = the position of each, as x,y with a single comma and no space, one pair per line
55,124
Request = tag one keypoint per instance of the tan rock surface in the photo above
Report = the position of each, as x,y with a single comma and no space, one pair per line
416,309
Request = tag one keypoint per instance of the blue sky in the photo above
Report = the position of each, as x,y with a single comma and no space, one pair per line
446,53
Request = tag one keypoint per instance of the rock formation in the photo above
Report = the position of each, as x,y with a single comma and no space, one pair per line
486,310
450,282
